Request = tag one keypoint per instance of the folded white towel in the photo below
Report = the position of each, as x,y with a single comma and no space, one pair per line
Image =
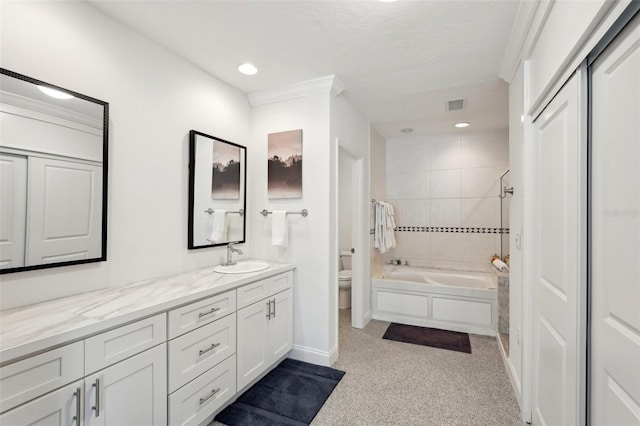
219,227
279,229
500,265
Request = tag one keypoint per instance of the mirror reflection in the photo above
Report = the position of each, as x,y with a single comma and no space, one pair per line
217,191
53,145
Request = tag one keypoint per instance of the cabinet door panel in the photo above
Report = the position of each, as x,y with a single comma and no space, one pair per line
252,342
281,326
132,392
56,408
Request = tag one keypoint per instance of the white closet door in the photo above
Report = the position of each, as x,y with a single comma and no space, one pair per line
615,237
13,210
65,206
557,277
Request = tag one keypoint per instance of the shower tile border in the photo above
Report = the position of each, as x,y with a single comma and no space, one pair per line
452,229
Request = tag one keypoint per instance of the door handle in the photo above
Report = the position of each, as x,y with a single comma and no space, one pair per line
97,406
274,307
77,394
269,309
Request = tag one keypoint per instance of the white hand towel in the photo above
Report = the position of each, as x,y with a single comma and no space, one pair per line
500,265
219,227
279,229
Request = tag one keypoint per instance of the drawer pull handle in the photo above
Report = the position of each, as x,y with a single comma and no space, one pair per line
204,314
208,397
97,406
269,309
77,394
274,307
210,348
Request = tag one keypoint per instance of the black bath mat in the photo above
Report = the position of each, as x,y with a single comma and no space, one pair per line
443,339
291,394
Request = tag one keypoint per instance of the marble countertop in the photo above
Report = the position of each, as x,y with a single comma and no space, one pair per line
31,329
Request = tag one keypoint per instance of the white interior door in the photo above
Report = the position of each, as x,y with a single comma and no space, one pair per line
13,210
65,206
615,233
558,246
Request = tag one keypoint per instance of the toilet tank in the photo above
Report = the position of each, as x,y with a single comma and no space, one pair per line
345,260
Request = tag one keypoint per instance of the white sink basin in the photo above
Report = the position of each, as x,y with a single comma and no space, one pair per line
242,267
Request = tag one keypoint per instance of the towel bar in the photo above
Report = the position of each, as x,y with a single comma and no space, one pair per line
303,212
240,212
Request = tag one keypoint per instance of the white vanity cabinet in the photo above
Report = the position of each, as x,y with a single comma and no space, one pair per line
178,364
122,381
265,327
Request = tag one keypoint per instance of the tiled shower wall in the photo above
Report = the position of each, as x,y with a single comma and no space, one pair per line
445,192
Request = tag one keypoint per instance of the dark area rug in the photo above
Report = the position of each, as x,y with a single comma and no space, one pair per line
291,394
443,339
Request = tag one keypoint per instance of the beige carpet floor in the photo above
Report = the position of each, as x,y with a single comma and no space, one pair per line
394,383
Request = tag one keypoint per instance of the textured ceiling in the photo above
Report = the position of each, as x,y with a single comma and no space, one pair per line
400,61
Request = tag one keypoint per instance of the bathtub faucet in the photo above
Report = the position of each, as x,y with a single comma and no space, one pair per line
406,263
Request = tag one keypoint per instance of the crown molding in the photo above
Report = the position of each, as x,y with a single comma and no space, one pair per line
33,106
329,84
520,39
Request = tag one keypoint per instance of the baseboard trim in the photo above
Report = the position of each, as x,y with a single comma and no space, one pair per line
314,356
513,378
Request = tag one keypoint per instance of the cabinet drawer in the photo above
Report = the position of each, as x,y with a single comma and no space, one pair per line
197,351
252,293
198,400
280,282
108,348
35,376
194,315
59,407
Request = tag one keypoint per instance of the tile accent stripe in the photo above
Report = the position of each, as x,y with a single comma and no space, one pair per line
453,229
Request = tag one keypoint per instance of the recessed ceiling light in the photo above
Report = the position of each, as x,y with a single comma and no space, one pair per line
408,129
247,68
463,124
55,93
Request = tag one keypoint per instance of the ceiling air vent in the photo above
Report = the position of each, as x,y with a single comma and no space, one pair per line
455,105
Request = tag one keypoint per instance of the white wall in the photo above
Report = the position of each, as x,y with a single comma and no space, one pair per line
350,132
378,164
155,99
516,142
309,238
448,180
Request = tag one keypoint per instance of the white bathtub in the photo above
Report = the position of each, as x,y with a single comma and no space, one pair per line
446,299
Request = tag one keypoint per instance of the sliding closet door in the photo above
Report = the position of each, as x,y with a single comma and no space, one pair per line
13,209
615,232
559,236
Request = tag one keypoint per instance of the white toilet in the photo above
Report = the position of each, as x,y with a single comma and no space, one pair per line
344,280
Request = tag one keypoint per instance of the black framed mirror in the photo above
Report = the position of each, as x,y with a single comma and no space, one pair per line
53,175
217,191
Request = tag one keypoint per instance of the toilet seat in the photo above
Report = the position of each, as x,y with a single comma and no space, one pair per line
344,275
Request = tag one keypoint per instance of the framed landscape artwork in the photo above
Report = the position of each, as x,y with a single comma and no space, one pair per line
285,164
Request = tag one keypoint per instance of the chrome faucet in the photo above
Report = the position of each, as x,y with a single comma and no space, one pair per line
230,250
